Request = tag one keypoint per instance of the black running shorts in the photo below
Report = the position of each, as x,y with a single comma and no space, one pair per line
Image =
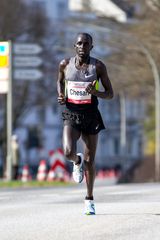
88,122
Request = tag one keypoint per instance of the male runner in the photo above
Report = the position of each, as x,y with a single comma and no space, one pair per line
77,88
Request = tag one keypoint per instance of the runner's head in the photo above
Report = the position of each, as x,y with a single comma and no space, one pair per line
83,44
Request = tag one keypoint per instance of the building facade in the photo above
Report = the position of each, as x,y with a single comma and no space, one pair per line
43,126
56,10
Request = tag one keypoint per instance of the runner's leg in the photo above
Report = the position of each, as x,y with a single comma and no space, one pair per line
89,156
70,137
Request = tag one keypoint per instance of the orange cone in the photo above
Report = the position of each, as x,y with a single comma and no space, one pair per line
112,173
51,175
101,174
42,171
25,174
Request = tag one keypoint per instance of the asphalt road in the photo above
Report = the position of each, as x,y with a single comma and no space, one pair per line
124,212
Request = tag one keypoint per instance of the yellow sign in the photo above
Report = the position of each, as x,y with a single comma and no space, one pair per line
3,61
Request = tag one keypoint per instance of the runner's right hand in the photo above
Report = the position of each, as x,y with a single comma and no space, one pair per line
61,99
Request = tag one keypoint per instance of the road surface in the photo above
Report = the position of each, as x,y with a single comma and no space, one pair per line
124,212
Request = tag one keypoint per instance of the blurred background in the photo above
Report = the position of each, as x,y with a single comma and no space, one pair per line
126,36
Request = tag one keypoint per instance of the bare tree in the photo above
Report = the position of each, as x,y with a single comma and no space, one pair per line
13,21
153,4
130,64
19,22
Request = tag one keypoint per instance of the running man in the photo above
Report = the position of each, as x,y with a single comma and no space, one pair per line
77,87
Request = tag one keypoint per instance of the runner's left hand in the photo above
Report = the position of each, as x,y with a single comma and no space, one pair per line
91,87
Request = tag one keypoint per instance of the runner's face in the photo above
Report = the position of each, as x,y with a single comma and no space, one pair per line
83,46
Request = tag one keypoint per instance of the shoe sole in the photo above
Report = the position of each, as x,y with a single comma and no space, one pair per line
90,213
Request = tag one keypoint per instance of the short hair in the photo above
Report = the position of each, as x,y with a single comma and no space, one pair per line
85,34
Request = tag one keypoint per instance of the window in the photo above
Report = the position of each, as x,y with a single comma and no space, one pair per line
61,10
116,146
39,5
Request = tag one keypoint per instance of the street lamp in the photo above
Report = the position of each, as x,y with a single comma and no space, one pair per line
157,109
123,131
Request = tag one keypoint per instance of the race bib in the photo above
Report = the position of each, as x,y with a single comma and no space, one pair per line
77,93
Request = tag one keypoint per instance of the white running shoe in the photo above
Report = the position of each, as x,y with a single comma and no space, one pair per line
89,207
78,173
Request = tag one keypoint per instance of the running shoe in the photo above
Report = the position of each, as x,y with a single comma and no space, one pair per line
89,207
78,173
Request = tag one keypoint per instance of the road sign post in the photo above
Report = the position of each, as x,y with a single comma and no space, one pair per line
26,61
27,74
9,118
6,87
26,48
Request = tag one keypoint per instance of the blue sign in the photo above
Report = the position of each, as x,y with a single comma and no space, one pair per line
2,49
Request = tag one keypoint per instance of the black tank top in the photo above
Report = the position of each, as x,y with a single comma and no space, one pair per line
76,80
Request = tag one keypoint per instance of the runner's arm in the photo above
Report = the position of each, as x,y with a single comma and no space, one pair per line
61,82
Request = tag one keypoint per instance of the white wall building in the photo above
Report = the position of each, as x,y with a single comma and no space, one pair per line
59,10
102,8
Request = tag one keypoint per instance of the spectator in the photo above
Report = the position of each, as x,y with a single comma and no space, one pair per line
15,156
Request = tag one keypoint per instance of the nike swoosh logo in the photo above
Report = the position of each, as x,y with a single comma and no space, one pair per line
88,76
97,126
